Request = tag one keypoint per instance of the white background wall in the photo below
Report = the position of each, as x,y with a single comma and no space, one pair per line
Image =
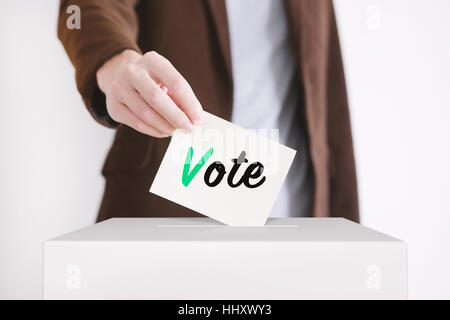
396,54
398,72
51,150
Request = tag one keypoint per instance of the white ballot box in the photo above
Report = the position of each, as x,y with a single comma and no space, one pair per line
199,258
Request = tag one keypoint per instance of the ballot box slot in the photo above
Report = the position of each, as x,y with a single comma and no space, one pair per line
220,226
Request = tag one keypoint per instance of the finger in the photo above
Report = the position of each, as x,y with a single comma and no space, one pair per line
133,100
161,102
127,117
179,89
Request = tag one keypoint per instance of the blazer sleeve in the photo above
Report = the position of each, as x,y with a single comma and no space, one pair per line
107,28
343,185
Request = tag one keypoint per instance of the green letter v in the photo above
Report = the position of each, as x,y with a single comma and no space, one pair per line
187,177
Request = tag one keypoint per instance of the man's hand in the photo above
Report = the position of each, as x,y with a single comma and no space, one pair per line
148,94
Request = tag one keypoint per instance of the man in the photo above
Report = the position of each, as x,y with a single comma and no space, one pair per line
151,67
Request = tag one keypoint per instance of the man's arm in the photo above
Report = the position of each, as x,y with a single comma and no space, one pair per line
119,84
107,28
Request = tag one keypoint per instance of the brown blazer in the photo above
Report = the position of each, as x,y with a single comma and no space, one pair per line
193,35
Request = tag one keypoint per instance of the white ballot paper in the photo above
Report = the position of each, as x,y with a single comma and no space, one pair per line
224,172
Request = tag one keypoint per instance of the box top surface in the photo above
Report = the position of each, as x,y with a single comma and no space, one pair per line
204,229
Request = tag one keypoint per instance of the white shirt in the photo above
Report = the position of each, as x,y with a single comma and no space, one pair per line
266,93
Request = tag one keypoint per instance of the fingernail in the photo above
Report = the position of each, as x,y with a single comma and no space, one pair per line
199,118
189,126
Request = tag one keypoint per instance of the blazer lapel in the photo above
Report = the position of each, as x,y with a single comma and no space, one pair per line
219,15
307,33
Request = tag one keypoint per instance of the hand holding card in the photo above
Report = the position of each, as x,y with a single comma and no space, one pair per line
223,171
